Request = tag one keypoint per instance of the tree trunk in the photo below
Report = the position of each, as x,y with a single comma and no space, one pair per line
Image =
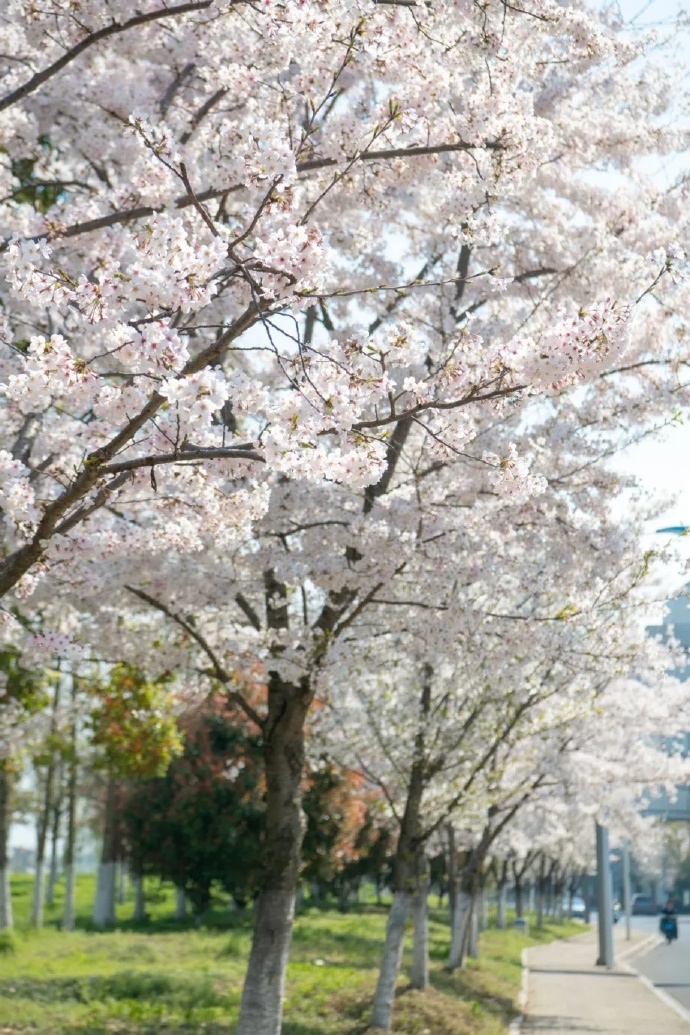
6,920
180,904
104,904
474,926
41,838
501,910
56,812
392,958
68,913
459,932
122,884
483,909
420,949
519,898
42,826
541,892
408,856
452,875
139,913
261,1008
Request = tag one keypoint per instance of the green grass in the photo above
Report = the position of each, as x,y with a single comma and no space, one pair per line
171,979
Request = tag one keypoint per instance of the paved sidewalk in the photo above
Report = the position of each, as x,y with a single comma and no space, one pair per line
567,993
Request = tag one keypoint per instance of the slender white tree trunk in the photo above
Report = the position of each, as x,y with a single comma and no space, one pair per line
56,810
458,934
6,919
501,911
139,899
38,895
68,910
483,910
473,934
104,904
180,904
122,884
382,1012
262,996
419,977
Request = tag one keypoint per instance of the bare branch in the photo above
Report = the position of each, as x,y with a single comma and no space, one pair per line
219,672
113,29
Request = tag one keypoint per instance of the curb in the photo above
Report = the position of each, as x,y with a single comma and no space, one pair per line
516,1024
635,950
644,946
665,998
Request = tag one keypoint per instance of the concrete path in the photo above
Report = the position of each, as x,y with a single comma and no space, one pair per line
568,993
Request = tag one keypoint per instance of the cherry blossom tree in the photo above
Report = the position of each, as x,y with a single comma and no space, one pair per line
291,289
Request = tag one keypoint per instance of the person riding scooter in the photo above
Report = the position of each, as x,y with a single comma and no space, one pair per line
668,924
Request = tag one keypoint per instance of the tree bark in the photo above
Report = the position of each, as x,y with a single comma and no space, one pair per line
405,865
381,1014
502,892
139,913
6,920
474,926
68,913
419,977
541,891
104,904
452,875
56,815
283,736
180,904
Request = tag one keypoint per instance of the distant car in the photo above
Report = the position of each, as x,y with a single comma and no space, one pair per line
578,908
644,905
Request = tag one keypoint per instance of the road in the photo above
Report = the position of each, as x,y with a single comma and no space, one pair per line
668,966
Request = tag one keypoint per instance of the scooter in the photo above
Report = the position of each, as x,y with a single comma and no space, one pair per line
668,925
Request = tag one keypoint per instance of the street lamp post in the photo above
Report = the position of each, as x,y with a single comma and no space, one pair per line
626,889
604,899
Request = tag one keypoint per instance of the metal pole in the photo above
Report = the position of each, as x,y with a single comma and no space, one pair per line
604,899
626,889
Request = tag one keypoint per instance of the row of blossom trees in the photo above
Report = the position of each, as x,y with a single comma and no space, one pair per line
321,322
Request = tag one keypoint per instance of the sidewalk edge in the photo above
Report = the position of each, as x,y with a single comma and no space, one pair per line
516,1023
644,946
665,998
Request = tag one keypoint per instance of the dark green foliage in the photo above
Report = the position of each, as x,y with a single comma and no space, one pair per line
202,823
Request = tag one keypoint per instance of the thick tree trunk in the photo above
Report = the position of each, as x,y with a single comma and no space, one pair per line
381,1014
68,912
180,904
419,977
6,920
139,913
104,904
262,996
459,933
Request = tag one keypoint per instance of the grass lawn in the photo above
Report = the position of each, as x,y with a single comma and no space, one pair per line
170,979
